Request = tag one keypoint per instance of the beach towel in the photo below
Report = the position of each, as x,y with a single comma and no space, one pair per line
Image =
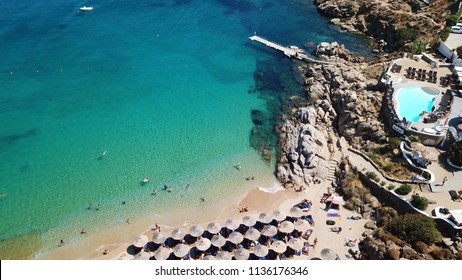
333,215
330,222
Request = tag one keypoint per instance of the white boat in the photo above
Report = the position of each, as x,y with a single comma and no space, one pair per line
85,8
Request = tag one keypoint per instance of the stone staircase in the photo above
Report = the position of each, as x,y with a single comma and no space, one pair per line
332,165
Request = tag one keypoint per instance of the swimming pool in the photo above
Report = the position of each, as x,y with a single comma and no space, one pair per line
412,101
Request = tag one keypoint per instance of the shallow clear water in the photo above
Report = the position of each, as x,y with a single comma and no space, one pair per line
165,87
412,102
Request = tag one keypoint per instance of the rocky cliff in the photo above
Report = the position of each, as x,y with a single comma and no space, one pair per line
381,18
344,103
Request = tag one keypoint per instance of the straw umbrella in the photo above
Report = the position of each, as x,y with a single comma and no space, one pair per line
203,244
178,234
286,227
196,230
140,241
265,218
223,255
302,225
232,224
296,212
143,256
249,221
328,254
235,237
269,230
241,254
252,234
279,215
214,227
209,258
278,246
159,237
162,253
181,250
295,243
218,241
260,250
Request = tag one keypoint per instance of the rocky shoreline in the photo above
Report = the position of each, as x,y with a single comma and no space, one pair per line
344,104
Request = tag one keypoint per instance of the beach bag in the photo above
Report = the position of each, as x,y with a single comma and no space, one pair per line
330,223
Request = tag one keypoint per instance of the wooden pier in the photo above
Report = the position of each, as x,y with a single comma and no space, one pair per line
291,51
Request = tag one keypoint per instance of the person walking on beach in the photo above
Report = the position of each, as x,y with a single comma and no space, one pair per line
128,221
315,242
444,180
61,243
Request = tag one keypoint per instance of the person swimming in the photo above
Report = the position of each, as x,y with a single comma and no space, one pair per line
238,166
146,179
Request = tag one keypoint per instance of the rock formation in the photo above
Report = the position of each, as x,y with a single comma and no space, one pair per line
381,18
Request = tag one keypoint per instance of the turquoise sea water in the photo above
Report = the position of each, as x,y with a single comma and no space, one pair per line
413,101
165,87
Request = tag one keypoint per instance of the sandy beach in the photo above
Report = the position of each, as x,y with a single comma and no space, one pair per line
116,240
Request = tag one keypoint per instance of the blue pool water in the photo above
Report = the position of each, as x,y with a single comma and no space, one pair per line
413,101
165,87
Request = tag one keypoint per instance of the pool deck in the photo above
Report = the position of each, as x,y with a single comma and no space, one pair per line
400,81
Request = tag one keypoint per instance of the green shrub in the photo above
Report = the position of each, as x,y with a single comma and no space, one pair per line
455,153
418,46
371,175
391,187
452,20
394,143
419,202
459,51
414,227
404,35
414,138
383,183
403,189
445,33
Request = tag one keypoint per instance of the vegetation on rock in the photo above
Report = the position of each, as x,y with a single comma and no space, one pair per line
455,153
414,227
419,202
403,189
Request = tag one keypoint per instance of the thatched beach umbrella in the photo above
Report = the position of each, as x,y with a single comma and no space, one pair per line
162,253
296,212
181,250
223,255
196,230
232,224
249,221
178,234
265,218
328,254
159,237
143,256
214,227
278,246
203,244
260,250
269,230
295,243
286,227
279,215
235,237
241,254
302,225
209,258
140,241
218,241
252,234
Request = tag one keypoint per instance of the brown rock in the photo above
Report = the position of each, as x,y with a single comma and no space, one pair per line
393,254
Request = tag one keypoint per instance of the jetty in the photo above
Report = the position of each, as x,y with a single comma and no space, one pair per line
292,51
